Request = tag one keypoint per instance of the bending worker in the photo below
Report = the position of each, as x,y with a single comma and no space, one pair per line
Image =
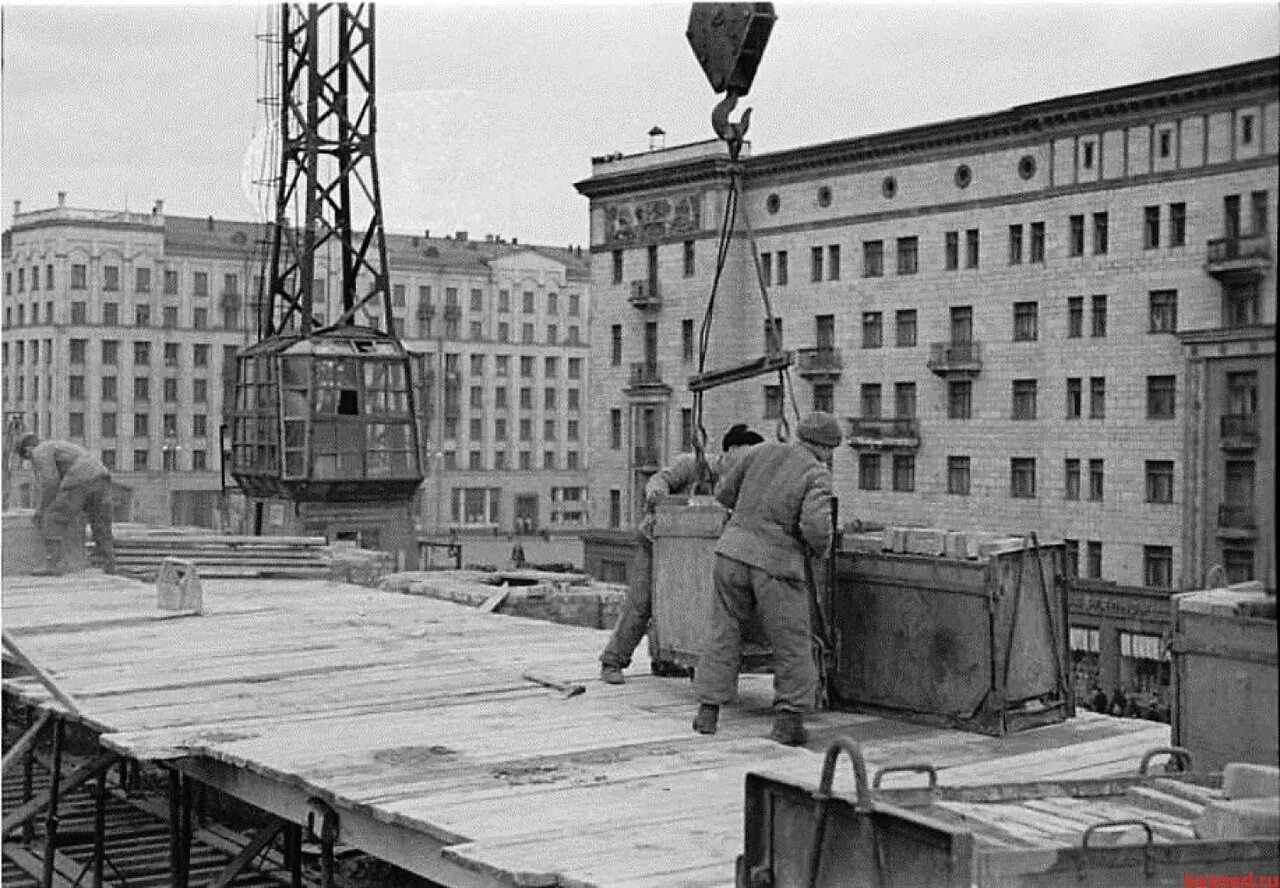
73,485
780,495
681,477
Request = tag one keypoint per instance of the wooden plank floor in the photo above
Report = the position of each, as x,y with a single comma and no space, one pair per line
413,712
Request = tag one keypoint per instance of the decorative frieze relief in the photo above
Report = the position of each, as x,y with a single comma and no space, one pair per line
650,220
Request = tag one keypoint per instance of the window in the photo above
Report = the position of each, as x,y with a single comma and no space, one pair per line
549,459
110,278
951,250
1088,154
1071,557
1097,397
1239,309
199,318
1150,227
75,387
109,388
549,398
1075,317
1071,479
1037,241
971,248
172,354
230,284
549,430
1099,233
870,400
958,475
773,402
1024,399
904,400
1161,397
76,425
1015,244
1025,318
199,391
552,333
110,352
48,277
1177,224
1166,142
1022,480
616,338
615,508
141,425
906,327
142,354
1242,393
904,472
139,460
872,332
199,461
873,258
1258,204
200,355
1075,237
571,431
815,264
170,391
773,335
575,401
142,316
1246,129
499,430
833,262
824,397
526,398
1075,397
908,255
1164,311
959,399
526,430
78,349
868,471
108,425
170,282
1239,564
686,339
504,331
477,330
615,429
526,460
200,283
477,365
141,388
782,268
170,425
79,276
766,268
1159,481
526,333
1095,480
1157,566
575,368
142,280
1099,327
477,397
500,397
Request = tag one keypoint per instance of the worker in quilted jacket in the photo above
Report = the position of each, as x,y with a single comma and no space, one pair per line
780,496
73,485
681,477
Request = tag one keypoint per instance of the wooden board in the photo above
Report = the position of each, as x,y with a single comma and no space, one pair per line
411,715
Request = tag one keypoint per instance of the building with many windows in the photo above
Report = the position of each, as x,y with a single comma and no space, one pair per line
1020,314
119,328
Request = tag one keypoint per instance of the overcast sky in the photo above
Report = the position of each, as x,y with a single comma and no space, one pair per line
490,113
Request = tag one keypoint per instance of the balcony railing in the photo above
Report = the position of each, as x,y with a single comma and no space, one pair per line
647,458
819,363
645,373
1243,256
452,312
955,358
894,432
426,311
1237,520
1239,431
645,295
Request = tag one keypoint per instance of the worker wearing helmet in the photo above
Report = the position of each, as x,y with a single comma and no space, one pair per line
780,494
681,477
72,482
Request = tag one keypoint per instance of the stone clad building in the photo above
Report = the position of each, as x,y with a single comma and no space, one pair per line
119,327
1020,315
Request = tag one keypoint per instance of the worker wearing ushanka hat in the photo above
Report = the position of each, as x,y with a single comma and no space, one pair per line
780,496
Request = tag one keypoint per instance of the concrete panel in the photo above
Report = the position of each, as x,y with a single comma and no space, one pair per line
1191,150
1139,149
1113,154
1220,137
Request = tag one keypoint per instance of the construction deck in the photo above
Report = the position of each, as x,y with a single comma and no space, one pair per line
411,718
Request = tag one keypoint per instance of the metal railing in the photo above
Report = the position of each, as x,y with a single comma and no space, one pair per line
1237,517
1239,425
646,373
907,428
1232,249
819,360
950,354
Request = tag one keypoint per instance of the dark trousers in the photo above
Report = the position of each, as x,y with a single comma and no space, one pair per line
637,608
90,499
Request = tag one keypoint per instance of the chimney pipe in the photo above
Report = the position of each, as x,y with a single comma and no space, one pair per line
62,198
159,208
17,207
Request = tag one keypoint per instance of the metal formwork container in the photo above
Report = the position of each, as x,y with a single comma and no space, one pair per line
979,645
684,539
1224,676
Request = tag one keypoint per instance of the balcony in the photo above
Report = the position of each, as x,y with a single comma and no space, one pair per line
647,459
897,433
1240,258
1237,523
646,295
1239,432
230,301
452,312
962,359
819,364
426,311
646,379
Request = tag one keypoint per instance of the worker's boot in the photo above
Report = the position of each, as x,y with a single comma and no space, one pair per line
788,728
707,719
105,554
611,675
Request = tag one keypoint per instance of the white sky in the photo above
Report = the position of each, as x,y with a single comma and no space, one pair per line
490,113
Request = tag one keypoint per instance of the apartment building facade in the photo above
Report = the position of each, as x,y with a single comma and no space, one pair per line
997,305
120,328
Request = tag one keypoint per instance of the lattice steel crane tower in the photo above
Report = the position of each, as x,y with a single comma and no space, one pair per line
325,437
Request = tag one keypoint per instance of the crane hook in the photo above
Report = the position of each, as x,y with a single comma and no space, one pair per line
732,133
